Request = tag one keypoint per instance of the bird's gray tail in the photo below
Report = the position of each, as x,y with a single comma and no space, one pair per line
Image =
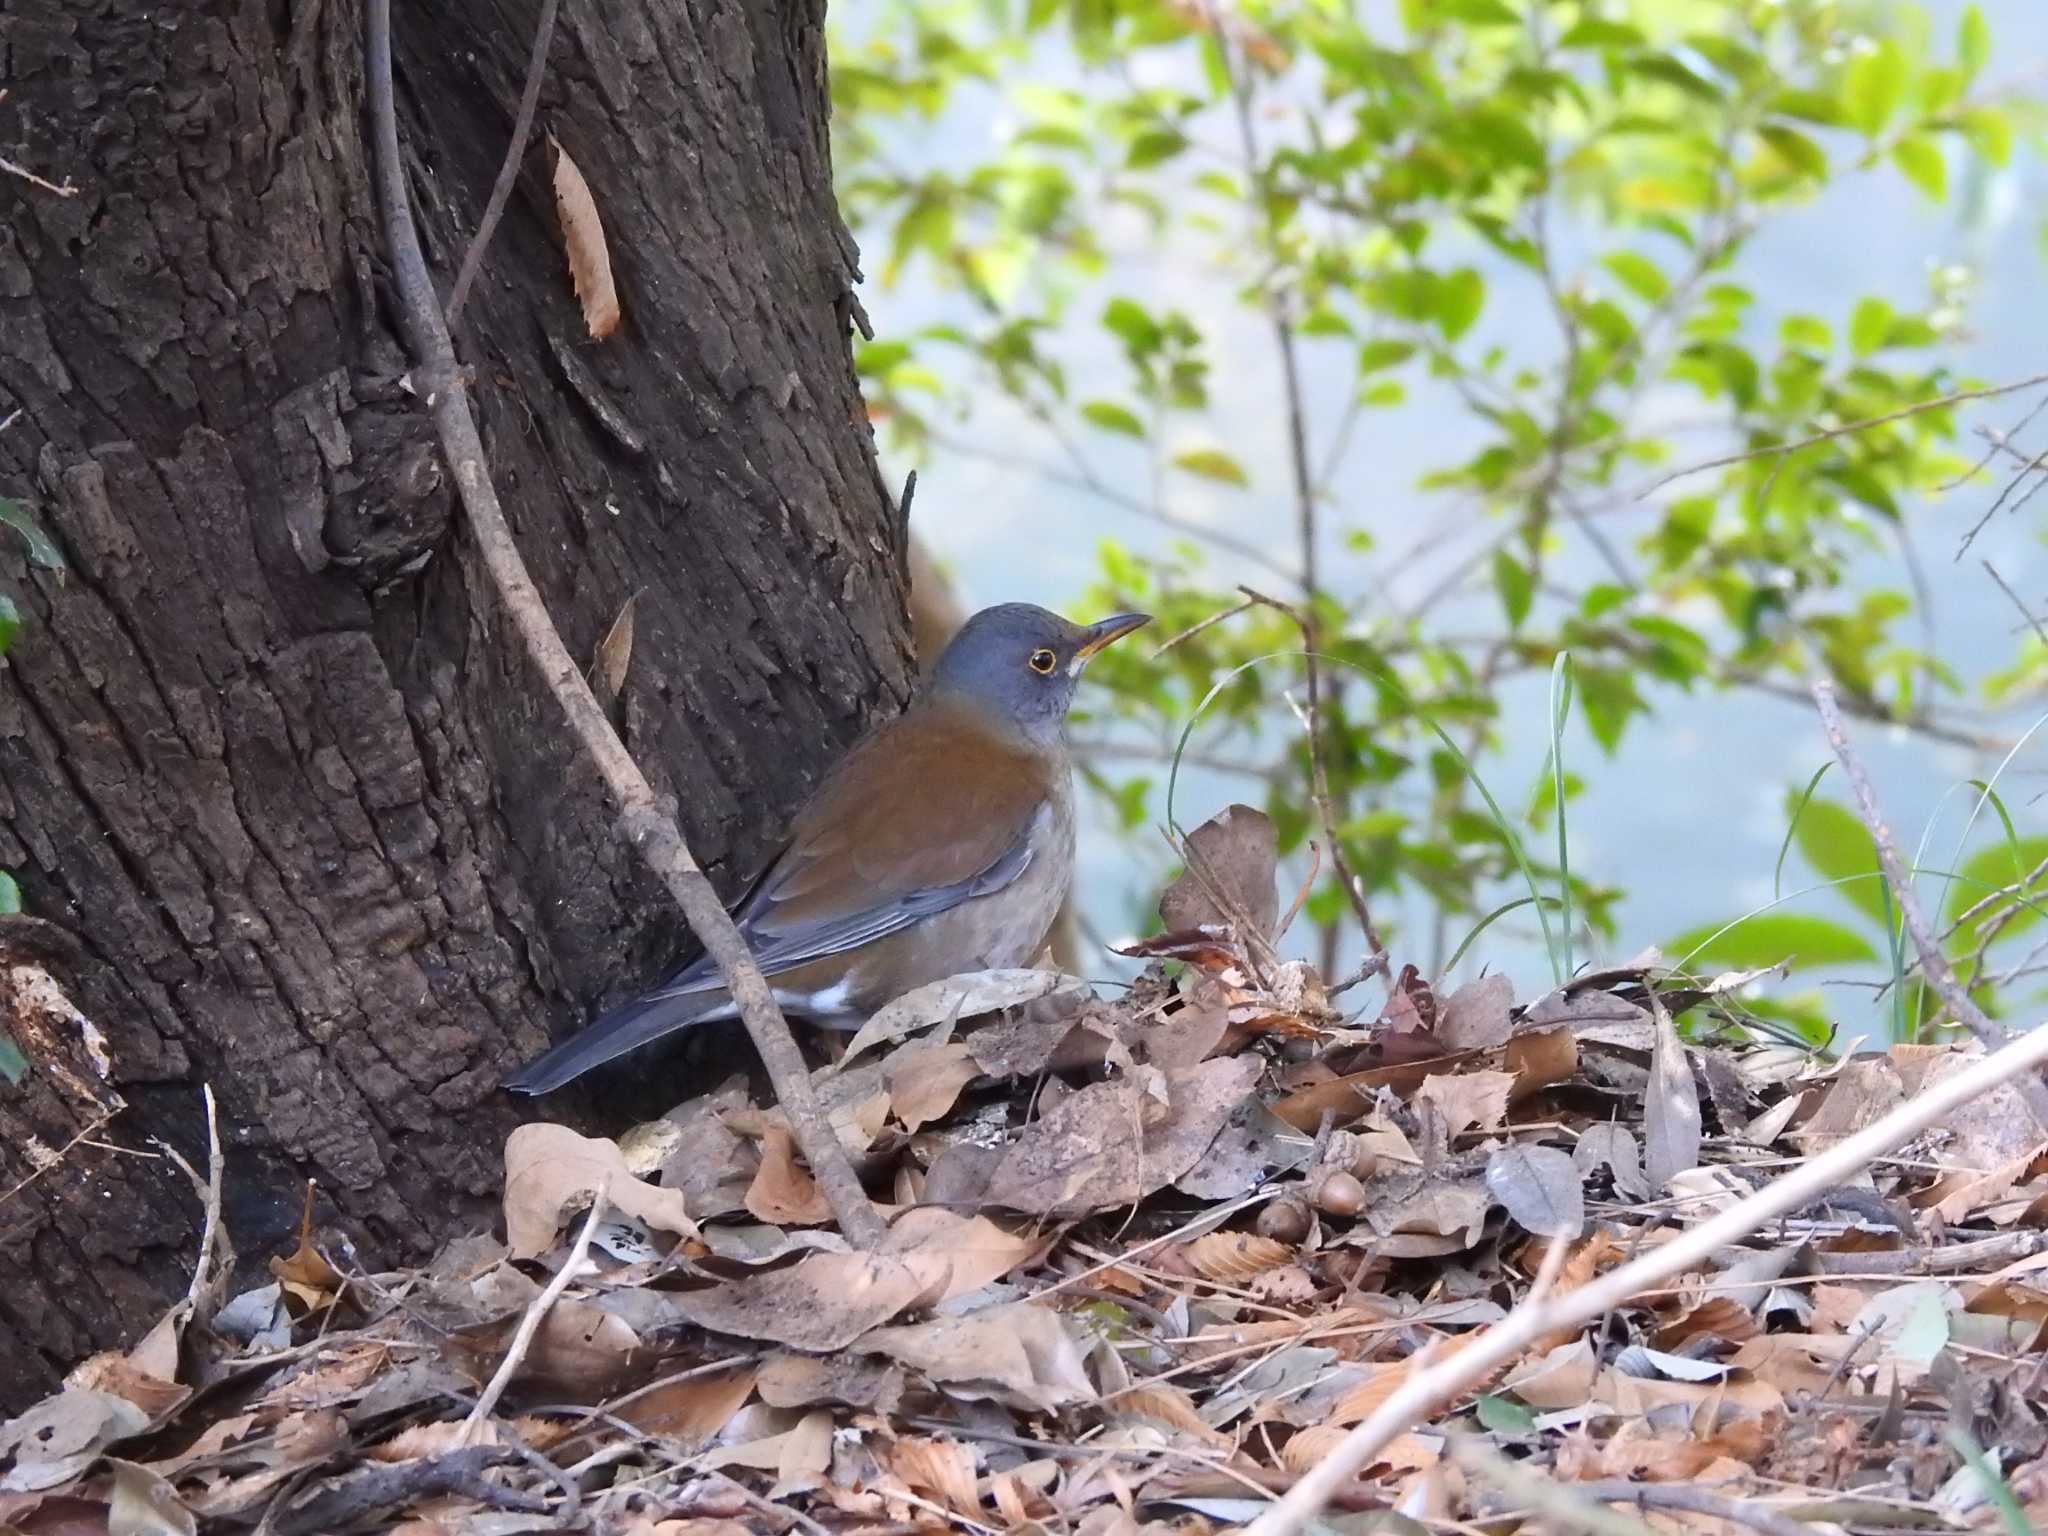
625,1028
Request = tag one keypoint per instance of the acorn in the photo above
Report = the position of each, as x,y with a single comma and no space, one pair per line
1338,1193
1286,1220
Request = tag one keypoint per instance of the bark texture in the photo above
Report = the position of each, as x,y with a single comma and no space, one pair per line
310,829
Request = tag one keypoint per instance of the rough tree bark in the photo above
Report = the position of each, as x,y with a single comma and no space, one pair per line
311,830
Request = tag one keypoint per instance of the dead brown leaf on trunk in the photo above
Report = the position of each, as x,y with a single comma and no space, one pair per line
590,261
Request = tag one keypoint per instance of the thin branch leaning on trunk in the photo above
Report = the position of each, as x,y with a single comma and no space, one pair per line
1933,961
645,825
508,173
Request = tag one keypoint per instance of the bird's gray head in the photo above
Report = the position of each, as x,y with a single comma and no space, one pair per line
1021,663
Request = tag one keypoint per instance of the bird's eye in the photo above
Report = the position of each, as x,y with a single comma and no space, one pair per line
1043,661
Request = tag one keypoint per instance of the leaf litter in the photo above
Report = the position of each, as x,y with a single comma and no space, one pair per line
1149,1257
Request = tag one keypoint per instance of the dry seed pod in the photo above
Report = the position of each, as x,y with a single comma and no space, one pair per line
1338,1193
1286,1220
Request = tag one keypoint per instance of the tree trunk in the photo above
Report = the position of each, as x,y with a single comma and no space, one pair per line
310,828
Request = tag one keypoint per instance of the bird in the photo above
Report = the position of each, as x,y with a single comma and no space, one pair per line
941,843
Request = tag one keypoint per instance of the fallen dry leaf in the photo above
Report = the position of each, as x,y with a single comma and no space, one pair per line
1671,1115
1540,1188
1018,1353
961,997
955,1255
822,1302
1613,1147
1477,1016
1235,1256
783,1193
939,1470
590,262
144,1504
693,1409
304,1273
1232,859
1467,1101
61,1436
925,1080
550,1169
615,653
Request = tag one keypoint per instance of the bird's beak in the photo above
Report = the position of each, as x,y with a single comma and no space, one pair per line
1108,632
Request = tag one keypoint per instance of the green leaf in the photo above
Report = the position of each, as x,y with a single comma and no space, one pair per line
10,895
1592,32
1477,13
10,622
1663,67
1873,86
1638,274
1212,464
1770,937
1112,418
1795,149
1152,147
1458,301
1869,324
1973,41
1516,585
1990,133
13,1065
1807,333
1137,330
872,358
1504,1416
41,550
1921,159
1382,353
1610,698
1835,843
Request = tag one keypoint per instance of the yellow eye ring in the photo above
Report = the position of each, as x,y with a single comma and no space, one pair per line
1043,661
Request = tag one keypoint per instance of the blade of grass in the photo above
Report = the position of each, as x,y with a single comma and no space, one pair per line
1995,1487
1560,709
1792,827
1481,926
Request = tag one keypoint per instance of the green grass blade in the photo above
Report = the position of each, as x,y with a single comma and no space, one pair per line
1791,827
1560,710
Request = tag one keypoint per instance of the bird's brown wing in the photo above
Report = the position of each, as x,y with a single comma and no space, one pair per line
931,810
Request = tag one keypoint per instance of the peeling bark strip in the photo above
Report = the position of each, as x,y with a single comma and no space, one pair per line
261,751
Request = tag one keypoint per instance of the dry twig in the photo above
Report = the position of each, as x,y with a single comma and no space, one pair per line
1424,1390
1847,429
651,830
216,1260
11,168
529,1324
508,173
1933,962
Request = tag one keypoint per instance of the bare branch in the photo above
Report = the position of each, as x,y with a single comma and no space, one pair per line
1847,429
508,173
2026,613
651,831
